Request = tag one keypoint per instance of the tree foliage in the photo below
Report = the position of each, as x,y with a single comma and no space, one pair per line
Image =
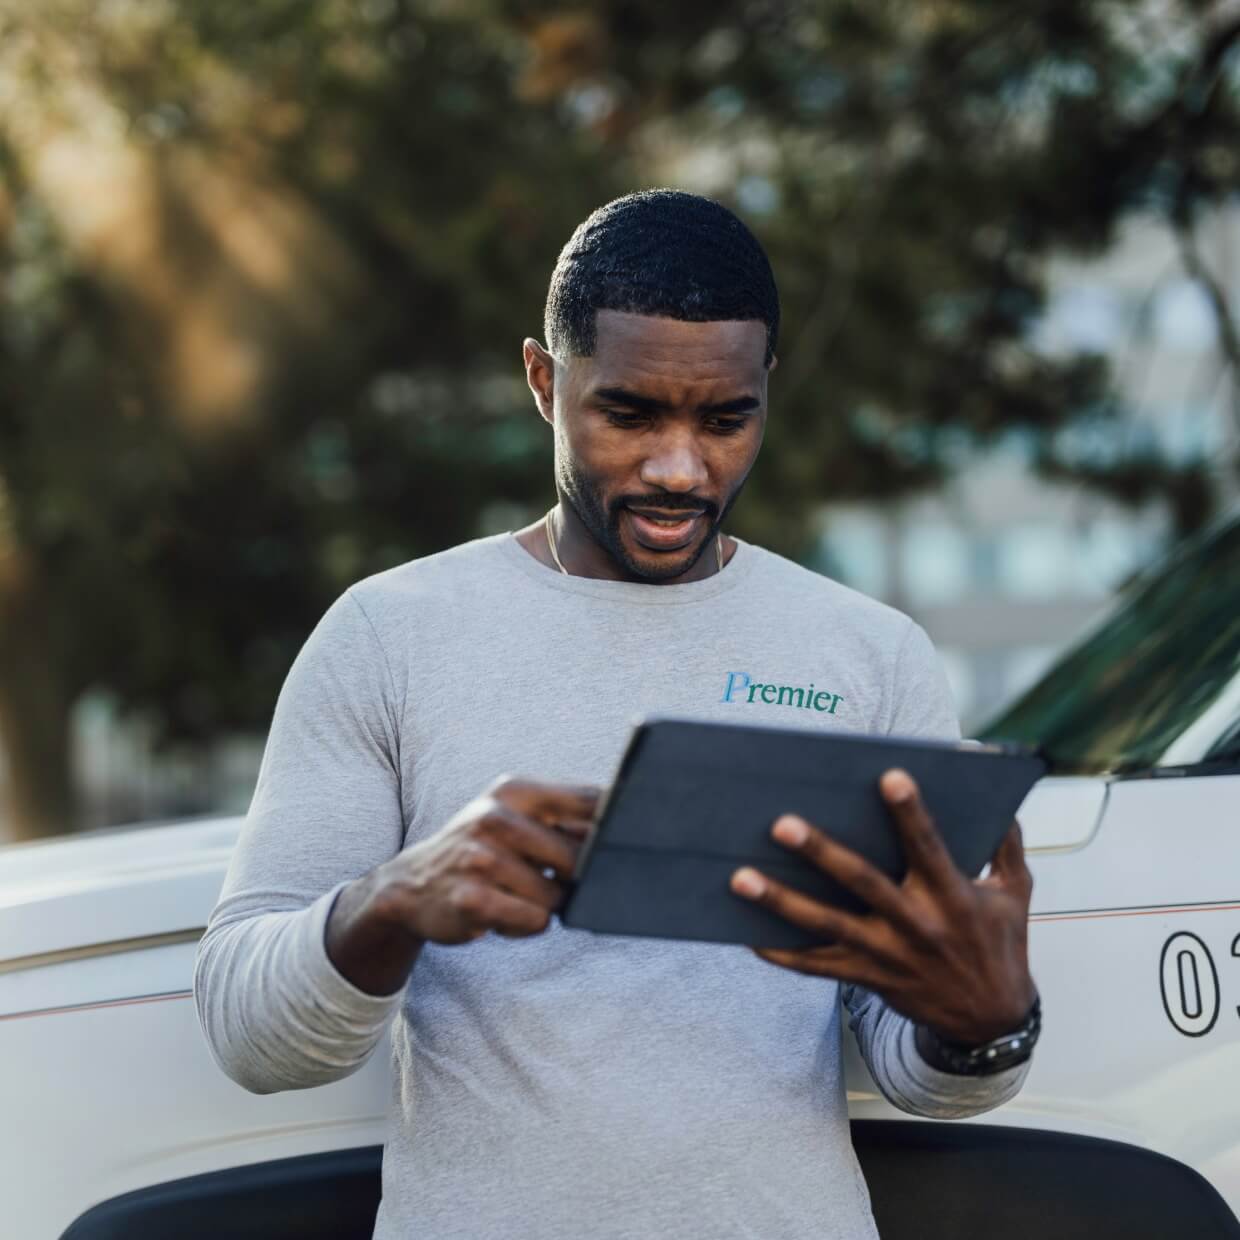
265,268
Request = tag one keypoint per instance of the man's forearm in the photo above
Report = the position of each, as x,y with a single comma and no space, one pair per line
292,997
276,1010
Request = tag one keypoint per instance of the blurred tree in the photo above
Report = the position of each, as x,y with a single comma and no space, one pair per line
264,271
265,268
910,166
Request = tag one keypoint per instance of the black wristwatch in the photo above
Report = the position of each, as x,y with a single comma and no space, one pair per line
995,1056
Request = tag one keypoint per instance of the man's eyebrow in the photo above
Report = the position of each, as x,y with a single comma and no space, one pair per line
631,400
740,404
651,404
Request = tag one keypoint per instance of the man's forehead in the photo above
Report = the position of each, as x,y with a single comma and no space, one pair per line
652,343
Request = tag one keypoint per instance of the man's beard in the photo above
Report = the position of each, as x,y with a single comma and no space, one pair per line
602,521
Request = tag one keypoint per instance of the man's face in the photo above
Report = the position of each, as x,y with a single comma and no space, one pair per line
656,433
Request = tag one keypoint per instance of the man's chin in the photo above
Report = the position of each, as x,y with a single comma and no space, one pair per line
654,566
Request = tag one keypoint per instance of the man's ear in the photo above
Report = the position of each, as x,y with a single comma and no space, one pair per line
540,375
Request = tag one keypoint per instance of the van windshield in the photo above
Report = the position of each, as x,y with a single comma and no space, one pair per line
1167,655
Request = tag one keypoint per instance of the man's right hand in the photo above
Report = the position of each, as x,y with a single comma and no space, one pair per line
500,864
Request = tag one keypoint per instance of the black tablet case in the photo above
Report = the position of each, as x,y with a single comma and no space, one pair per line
693,801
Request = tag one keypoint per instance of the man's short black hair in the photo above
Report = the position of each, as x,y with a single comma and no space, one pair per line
659,252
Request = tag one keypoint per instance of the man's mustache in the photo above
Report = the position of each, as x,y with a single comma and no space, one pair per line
667,502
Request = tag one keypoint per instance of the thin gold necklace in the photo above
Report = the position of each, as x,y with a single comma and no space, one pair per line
555,555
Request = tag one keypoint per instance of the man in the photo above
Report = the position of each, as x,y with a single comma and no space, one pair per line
548,1082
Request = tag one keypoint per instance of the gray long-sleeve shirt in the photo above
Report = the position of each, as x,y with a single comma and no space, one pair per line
567,1084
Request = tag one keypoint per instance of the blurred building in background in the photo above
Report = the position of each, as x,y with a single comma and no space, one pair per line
1004,568
125,779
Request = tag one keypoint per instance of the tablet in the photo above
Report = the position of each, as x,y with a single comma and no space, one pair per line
693,801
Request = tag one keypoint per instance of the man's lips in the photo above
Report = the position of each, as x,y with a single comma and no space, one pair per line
664,531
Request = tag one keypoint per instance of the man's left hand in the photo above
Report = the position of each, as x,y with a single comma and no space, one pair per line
946,951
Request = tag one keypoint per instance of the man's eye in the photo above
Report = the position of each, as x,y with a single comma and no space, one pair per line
726,426
626,420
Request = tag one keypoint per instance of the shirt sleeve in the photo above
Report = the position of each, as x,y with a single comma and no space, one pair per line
276,1012
921,706
905,1079
921,702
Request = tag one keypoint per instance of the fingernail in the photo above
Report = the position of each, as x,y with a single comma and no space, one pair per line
898,784
790,830
748,883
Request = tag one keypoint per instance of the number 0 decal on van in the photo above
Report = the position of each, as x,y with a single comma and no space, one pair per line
1189,984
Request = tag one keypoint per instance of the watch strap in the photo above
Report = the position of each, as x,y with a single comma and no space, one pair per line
997,1055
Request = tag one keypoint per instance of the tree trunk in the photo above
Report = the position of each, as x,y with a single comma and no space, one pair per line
37,796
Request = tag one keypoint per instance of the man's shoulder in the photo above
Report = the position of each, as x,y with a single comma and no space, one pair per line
466,566
806,587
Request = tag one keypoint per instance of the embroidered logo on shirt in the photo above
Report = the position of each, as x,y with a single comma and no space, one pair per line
741,688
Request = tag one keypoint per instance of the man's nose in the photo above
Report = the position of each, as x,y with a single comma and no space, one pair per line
675,464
